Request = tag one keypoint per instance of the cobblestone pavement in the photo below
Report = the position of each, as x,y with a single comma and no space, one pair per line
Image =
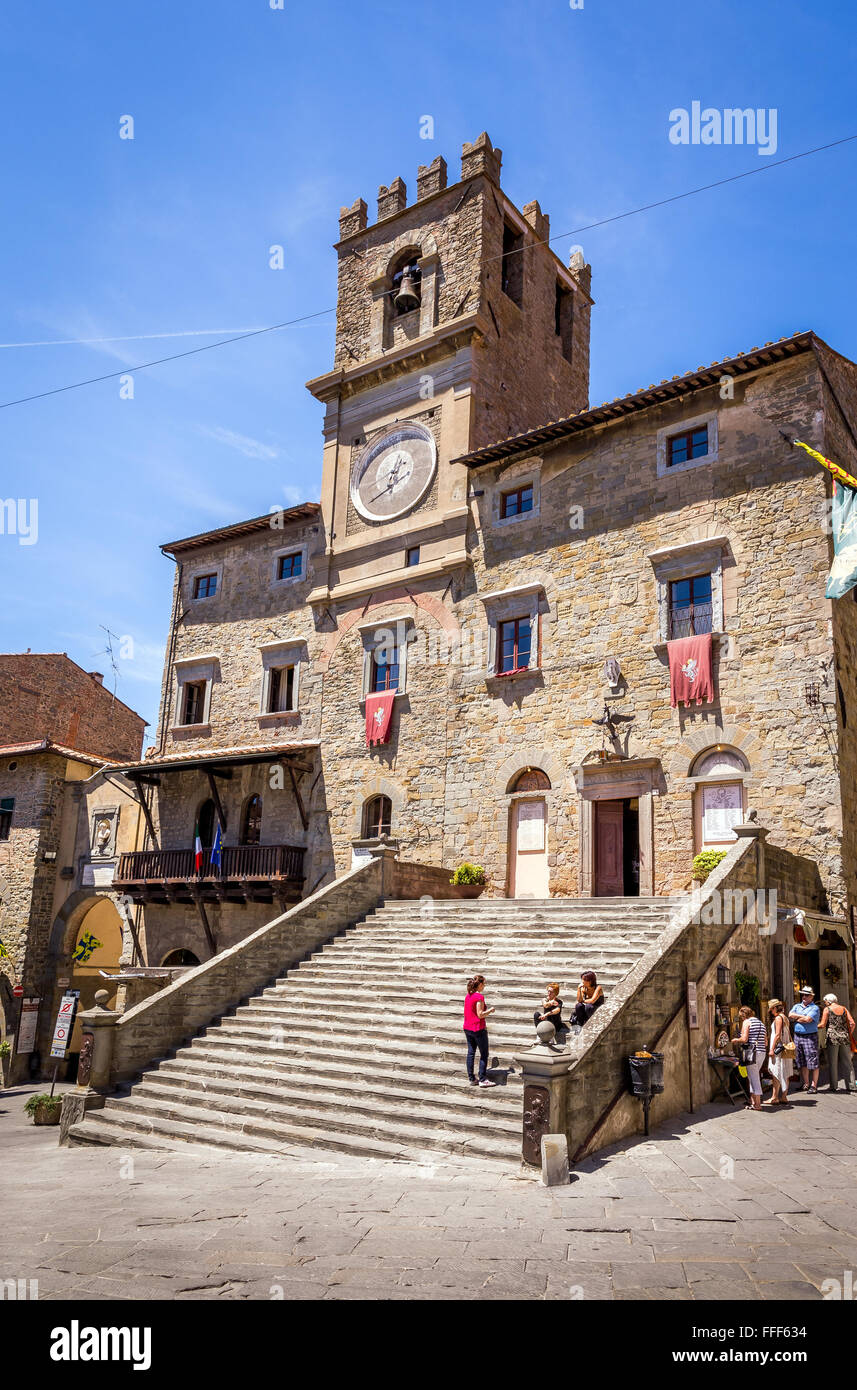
717,1205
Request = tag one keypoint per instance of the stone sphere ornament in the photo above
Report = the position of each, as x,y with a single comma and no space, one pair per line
546,1032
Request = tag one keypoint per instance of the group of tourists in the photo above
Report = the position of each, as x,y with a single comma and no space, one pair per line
793,1041
590,996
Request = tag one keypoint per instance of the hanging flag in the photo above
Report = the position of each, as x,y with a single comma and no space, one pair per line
215,848
839,473
379,714
843,571
691,680
197,847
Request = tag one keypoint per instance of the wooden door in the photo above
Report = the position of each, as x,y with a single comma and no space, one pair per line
609,850
529,849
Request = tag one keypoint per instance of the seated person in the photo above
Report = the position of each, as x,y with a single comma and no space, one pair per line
590,996
551,1009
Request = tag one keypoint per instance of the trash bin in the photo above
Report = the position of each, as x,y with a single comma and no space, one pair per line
657,1073
641,1075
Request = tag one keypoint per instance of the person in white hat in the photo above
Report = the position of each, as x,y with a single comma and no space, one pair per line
840,1030
804,1017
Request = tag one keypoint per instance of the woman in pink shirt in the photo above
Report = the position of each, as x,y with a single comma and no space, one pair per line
475,1031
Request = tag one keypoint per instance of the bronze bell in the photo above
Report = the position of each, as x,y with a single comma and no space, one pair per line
408,295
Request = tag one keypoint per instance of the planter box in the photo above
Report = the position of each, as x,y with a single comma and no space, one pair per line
47,1114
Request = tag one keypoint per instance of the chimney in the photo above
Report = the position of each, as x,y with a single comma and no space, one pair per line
97,676
481,158
352,219
392,200
431,178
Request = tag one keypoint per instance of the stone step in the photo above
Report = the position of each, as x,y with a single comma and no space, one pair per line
447,1058
398,1002
255,1121
447,1081
348,1018
354,1110
474,906
376,1041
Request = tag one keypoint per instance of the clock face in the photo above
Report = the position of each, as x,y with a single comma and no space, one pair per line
394,472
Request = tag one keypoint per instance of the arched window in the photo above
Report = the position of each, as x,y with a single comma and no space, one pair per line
532,779
406,292
180,957
205,818
377,817
719,797
251,829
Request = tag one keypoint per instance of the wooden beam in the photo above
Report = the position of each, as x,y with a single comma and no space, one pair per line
298,797
215,796
146,812
222,772
212,944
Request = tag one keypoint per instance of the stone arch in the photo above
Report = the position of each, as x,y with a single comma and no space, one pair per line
524,758
70,916
405,241
426,603
376,786
696,741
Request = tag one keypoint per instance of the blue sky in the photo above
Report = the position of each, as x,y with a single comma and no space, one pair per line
251,127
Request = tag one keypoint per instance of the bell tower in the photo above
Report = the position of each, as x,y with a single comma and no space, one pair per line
456,325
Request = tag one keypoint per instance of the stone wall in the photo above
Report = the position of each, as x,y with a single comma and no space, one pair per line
47,696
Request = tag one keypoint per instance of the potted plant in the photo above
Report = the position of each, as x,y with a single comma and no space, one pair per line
5,1054
470,880
45,1109
705,864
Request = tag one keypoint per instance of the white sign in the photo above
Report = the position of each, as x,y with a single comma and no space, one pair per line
692,1005
531,825
65,1022
97,875
721,809
27,1028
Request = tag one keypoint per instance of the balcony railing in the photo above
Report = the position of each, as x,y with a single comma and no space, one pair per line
174,870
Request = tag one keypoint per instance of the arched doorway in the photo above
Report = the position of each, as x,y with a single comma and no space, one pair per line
251,826
181,956
529,876
97,946
205,817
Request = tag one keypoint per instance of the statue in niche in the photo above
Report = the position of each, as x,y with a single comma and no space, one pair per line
103,835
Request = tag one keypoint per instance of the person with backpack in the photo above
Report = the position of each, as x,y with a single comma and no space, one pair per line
840,1031
475,1029
750,1048
780,1053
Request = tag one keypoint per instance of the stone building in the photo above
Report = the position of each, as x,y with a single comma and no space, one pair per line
61,828
509,564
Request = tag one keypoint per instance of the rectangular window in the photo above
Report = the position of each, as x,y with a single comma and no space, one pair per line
7,806
385,668
205,586
290,566
281,689
517,502
194,702
512,266
690,606
412,556
514,645
681,448
564,319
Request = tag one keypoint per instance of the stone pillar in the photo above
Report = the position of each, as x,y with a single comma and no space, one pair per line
544,1073
93,1074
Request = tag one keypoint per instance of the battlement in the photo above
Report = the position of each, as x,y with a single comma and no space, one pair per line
478,158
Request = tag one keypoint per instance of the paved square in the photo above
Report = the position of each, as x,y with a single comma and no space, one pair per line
716,1205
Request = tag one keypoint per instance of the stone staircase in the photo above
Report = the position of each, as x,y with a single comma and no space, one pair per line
360,1047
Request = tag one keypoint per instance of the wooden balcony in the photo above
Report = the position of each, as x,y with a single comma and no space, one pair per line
246,873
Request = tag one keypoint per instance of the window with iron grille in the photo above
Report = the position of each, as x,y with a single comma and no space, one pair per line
516,502
205,586
682,448
377,817
290,566
385,668
514,647
690,606
7,806
281,689
193,704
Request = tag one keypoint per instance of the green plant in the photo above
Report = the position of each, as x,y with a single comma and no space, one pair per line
749,988
32,1105
5,1048
706,862
468,874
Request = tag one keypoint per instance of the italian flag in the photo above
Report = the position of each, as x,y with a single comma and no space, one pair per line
197,851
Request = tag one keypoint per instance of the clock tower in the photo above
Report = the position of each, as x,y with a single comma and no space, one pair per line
457,325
